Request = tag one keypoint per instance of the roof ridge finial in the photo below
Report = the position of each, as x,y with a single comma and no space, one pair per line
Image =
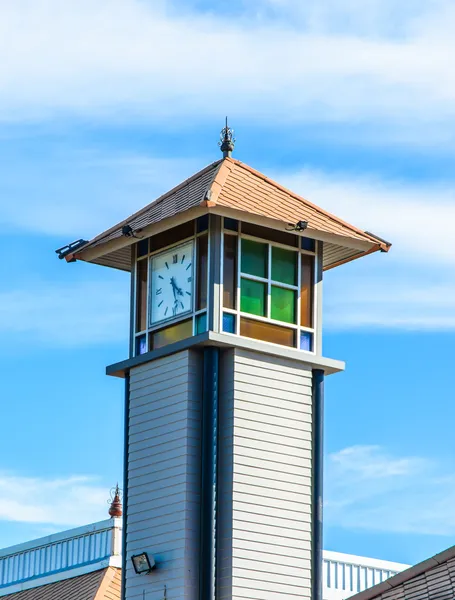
227,140
115,509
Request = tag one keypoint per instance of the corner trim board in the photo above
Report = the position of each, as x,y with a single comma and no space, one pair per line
126,420
317,476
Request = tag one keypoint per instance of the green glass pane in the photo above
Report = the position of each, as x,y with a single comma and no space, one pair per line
254,258
252,297
283,305
284,266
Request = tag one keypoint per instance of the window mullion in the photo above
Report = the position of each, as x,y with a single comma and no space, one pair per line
239,267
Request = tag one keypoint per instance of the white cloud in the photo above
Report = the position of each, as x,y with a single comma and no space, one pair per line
370,489
416,217
127,58
66,314
65,191
70,501
412,286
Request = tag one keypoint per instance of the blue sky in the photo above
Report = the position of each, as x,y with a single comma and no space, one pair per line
104,105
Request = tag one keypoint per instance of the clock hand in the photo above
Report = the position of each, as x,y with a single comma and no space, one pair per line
174,287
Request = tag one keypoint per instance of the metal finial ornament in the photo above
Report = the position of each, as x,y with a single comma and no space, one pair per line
115,510
227,140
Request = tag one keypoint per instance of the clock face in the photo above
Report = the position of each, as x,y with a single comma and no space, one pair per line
171,293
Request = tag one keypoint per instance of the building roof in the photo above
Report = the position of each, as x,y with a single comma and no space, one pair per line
232,188
87,556
103,584
84,563
431,579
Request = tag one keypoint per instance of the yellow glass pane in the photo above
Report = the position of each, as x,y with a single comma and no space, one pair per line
171,334
267,332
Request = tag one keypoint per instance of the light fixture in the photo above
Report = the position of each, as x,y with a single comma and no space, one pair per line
142,563
299,226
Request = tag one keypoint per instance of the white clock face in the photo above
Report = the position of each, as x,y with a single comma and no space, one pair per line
171,293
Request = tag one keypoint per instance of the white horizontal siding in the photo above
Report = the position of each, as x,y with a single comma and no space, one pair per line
265,477
164,475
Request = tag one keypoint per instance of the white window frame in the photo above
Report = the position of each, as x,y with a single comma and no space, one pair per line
193,314
269,282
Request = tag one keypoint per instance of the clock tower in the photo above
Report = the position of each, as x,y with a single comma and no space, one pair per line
224,384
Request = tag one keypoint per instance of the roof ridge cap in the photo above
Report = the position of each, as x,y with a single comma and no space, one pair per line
239,163
105,582
218,182
154,202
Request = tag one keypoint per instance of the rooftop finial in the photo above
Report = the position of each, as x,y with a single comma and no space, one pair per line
227,140
115,509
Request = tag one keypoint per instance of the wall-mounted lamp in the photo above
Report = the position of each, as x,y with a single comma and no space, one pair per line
142,563
299,226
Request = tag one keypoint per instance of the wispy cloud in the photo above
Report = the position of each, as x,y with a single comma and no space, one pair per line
369,489
128,58
66,314
70,501
411,287
65,190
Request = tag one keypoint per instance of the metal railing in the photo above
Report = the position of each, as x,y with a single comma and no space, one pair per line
60,552
345,575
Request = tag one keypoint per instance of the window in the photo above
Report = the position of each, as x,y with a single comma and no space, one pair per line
171,286
268,285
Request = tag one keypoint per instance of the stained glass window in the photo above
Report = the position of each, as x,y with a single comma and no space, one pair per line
283,303
201,323
201,275
230,271
228,323
284,265
254,258
253,296
171,334
306,290
267,332
141,295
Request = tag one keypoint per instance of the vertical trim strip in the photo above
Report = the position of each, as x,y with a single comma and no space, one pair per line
209,479
126,436
214,270
318,458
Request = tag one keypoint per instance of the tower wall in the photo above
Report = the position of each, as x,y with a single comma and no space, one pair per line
265,485
164,475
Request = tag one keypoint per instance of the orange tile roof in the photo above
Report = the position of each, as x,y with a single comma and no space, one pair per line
230,184
238,186
103,584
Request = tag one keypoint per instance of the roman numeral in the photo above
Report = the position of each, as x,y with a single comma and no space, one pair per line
165,312
175,259
189,279
160,303
158,291
188,267
167,266
183,258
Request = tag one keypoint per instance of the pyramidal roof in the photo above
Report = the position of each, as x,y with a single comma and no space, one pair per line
231,188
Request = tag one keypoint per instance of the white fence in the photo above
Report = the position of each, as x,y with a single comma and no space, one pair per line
345,575
60,552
